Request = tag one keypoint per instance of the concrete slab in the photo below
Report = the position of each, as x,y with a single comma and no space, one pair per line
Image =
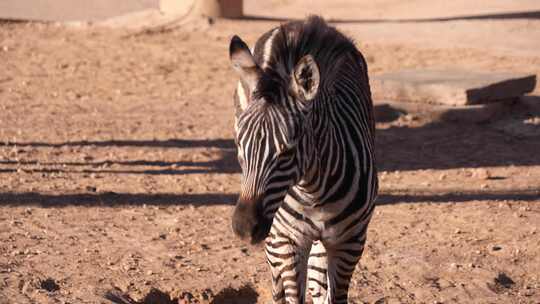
72,10
451,87
387,111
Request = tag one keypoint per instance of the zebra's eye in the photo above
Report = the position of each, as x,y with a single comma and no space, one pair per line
283,148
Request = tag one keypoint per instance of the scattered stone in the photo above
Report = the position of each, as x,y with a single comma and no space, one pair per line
496,248
26,287
501,283
468,114
481,173
519,127
386,113
206,295
443,283
451,87
49,285
186,296
455,265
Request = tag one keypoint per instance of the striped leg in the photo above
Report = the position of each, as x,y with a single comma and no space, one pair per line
342,260
288,263
317,268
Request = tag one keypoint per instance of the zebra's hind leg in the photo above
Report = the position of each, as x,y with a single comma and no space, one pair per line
342,260
317,281
288,262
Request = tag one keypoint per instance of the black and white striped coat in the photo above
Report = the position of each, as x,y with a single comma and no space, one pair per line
305,137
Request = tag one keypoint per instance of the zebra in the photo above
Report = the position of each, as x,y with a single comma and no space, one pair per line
304,131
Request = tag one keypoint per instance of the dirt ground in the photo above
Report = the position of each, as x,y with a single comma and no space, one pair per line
118,170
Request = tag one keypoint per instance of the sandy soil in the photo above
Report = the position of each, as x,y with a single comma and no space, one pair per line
118,172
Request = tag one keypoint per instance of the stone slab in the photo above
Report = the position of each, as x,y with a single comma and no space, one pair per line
72,10
386,110
451,87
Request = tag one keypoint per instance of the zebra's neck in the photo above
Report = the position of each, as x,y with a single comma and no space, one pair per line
332,162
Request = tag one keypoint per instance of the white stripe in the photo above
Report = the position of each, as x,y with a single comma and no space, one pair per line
242,96
268,49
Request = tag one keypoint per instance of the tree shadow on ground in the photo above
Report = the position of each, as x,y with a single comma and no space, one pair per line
388,198
168,143
112,199
436,145
535,14
226,163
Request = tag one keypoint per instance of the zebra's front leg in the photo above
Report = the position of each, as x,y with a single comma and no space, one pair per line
342,260
317,281
288,262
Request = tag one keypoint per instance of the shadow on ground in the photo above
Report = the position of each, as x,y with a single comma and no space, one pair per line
155,296
496,16
226,163
444,145
111,199
168,199
169,143
436,145
244,295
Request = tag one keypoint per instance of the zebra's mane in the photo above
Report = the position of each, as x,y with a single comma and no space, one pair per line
290,43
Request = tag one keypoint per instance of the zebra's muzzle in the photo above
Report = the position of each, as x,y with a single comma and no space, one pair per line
248,222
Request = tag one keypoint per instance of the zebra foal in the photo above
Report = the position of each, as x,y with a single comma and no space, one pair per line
305,137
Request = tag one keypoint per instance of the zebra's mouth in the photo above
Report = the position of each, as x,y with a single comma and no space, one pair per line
260,231
247,224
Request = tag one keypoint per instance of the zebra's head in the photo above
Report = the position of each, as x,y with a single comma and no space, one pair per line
270,124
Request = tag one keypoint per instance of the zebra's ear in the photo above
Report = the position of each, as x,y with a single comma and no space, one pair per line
243,62
306,78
